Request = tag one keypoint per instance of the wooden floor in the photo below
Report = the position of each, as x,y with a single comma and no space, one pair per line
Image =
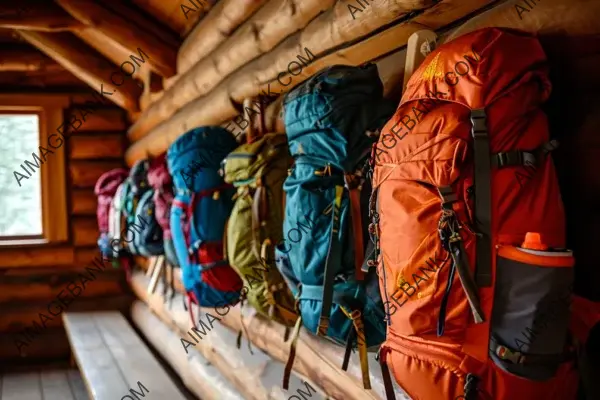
56,384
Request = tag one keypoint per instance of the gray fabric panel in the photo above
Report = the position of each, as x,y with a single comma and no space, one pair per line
531,314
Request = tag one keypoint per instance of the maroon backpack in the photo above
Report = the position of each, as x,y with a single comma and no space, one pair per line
160,180
105,190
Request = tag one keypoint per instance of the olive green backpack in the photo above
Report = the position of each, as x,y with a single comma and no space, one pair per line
258,169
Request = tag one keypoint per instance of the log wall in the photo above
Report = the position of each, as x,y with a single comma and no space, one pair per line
32,277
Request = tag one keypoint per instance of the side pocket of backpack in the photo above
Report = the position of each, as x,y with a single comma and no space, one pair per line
531,311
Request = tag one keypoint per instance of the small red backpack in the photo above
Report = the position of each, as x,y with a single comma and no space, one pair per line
105,189
470,228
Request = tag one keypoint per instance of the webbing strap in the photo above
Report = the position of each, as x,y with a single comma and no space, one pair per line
359,248
483,198
287,372
333,257
385,374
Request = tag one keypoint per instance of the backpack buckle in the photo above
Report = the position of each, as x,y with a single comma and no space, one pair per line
505,353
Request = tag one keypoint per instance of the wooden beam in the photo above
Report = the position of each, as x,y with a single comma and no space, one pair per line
37,16
86,64
353,46
27,59
161,56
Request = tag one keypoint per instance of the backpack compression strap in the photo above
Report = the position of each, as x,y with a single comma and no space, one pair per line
333,256
483,197
359,249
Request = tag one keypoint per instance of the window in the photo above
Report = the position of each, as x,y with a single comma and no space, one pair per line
33,209
20,207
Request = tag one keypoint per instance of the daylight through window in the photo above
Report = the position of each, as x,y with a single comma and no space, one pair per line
20,207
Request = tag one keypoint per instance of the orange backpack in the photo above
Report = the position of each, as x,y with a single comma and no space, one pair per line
470,229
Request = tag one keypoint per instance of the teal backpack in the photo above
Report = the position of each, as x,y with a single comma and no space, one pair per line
332,121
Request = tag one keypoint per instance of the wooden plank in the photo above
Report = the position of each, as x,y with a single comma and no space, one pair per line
84,174
113,358
21,386
55,386
99,369
85,231
77,385
197,373
83,201
82,147
99,120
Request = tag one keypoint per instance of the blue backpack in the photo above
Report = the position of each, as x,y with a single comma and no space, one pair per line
332,121
148,237
200,209
134,188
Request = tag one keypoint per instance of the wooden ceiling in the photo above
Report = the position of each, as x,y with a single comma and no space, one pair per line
75,45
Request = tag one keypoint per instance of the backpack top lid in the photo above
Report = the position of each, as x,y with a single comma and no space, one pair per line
200,148
109,181
250,159
158,173
138,175
466,69
327,116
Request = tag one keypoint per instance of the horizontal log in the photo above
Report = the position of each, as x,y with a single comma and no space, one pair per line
213,30
85,231
259,34
254,375
40,81
161,56
97,120
50,344
83,202
86,64
36,16
27,59
87,255
84,174
83,146
17,316
36,257
316,359
104,284
197,374
261,75
573,21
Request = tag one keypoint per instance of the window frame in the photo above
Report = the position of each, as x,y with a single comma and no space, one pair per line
53,183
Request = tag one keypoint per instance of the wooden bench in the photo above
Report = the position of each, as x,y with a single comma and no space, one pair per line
113,360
